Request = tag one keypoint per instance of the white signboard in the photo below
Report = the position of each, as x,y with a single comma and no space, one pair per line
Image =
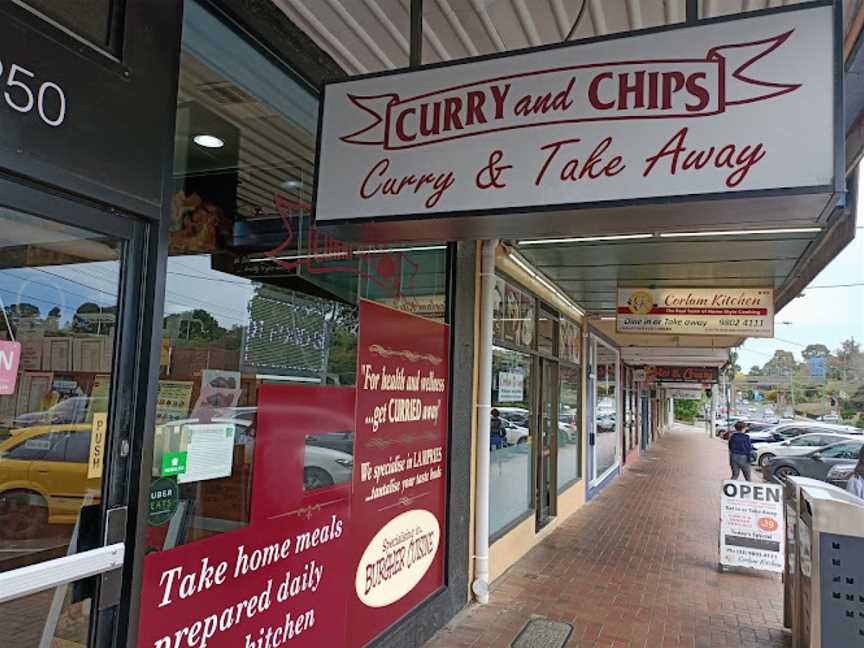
210,452
751,526
692,110
697,311
510,387
684,394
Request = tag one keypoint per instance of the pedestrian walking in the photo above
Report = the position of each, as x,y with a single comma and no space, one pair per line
740,449
856,481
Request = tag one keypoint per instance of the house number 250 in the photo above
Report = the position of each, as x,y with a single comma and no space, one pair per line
22,95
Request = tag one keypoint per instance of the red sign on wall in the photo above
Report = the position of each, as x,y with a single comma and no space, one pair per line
398,502
283,577
347,522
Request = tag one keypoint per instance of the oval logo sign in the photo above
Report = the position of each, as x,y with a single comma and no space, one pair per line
397,558
768,524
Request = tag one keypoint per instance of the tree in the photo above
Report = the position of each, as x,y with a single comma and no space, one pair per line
781,364
815,351
849,359
755,370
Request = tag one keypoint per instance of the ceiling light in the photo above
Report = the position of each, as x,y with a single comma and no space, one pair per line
291,184
547,283
208,141
608,319
418,248
785,230
587,239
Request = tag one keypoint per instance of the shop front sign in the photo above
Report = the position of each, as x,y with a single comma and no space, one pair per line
751,526
696,311
398,506
703,109
683,394
674,374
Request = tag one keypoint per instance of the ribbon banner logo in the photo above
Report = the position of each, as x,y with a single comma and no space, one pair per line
595,92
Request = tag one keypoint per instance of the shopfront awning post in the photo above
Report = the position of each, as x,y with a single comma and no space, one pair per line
480,587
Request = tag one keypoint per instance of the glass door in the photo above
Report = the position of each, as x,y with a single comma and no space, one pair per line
547,442
606,450
62,524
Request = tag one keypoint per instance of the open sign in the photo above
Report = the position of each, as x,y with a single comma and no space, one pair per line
10,356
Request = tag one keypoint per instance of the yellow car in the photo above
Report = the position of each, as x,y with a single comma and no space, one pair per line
43,478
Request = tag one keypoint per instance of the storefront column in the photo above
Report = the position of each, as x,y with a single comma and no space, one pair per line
480,587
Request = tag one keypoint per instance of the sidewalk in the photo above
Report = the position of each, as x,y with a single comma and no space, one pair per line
636,567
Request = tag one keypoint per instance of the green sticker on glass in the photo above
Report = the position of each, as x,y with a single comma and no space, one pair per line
164,496
173,463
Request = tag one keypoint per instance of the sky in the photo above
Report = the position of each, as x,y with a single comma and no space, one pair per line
822,315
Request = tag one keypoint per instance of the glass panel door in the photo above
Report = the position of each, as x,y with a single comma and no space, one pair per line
59,325
547,446
607,418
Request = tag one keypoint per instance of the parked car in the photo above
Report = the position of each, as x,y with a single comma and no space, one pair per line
840,474
815,464
798,446
786,431
830,418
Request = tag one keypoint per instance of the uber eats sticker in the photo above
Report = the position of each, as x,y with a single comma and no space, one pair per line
164,495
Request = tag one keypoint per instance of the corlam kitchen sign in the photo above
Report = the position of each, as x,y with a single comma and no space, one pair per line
694,110
696,311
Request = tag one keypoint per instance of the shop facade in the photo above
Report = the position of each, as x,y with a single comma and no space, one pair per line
237,416
182,454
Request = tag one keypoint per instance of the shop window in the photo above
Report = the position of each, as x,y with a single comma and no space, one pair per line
514,315
547,331
606,409
257,296
569,426
511,470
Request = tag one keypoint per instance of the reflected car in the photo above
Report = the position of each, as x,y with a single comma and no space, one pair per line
323,467
815,465
516,434
43,478
798,446
341,441
66,412
517,415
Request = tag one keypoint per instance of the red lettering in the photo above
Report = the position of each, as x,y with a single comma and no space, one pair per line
381,167
499,98
698,91
476,99
746,160
672,82
400,125
555,146
674,147
452,106
636,89
594,92
653,89
426,128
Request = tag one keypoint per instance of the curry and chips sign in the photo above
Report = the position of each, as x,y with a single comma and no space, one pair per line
703,109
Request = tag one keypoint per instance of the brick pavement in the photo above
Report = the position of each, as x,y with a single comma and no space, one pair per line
636,567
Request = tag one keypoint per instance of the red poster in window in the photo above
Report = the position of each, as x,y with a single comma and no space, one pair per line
398,503
281,580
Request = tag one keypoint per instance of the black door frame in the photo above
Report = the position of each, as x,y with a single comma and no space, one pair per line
120,477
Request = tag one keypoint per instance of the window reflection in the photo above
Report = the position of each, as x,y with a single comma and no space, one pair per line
606,405
58,309
511,470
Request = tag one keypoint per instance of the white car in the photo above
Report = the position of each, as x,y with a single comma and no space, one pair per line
516,434
800,445
830,418
324,467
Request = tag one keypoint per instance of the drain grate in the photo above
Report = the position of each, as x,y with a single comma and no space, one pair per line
543,633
